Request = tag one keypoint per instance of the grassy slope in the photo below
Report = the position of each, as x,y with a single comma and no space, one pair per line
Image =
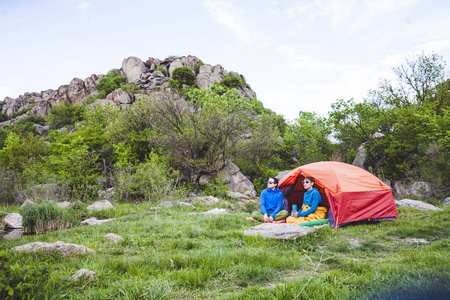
167,254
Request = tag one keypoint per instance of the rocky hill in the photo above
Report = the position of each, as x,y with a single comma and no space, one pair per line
146,74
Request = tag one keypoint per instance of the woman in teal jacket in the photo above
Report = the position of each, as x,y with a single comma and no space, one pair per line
270,203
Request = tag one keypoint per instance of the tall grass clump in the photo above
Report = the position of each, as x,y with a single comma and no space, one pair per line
46,217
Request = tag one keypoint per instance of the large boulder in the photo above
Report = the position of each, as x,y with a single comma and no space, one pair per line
13,234
360,157
411,188
133,67
279,231
13,221
65,249
415,204
446,201
235,179
99,205
76,91
120,97
206,79
94,221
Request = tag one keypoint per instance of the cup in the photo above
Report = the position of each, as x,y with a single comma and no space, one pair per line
294,207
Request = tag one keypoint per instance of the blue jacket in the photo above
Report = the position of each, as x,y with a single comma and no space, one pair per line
311,198
271,201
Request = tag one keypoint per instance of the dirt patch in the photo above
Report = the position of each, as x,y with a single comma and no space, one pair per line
354,242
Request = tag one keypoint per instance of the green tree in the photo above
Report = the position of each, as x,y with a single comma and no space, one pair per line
111,82
182,76
307,136
64,114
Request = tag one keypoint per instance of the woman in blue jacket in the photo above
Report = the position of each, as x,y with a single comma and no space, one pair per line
271,203
310,210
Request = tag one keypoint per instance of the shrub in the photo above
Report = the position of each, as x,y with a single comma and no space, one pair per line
21,281
131,88
3,117
216,187
9,183
161,69
182,76
152,180
33,119
232,81
64,114
45,217
111,82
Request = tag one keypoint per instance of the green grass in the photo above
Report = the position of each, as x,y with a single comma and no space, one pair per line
167,254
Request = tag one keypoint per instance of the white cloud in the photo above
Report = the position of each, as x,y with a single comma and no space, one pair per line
228,14
84,5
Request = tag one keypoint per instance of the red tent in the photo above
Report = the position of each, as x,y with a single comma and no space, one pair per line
350,193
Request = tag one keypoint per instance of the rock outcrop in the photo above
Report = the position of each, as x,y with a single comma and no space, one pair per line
65,249
99,205
279,231
13,221
415,204
144,74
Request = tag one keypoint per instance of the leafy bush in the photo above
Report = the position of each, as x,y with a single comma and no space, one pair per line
232,81
21,152
111,82
131,88
33,119
182,76
152,180
64,114
21,281
3,117
46,217
9,183
216,187
161,69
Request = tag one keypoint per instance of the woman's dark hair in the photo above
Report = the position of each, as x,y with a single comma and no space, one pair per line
311,179
274,180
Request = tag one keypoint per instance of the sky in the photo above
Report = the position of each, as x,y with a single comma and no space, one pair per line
296,55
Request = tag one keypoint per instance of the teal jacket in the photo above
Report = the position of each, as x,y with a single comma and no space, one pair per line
271,201
311,198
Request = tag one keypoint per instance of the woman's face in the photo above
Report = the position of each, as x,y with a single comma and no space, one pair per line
307,184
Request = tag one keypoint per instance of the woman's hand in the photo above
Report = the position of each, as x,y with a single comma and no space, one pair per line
266,218
294,214
270,219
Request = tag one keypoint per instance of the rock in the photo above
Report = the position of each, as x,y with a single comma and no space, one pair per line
446,201
99,205
279,231
246,92
175,64
206,200
280,175
119,97
184,204
13,221
238,196
27,202
133,67
378,135
76,91
64,248
207,79
412,188
360,157
84,272
114,237
41,129
205,69
13,234
237,181
106,194
94,221
64,204
415,204
167,204
215,211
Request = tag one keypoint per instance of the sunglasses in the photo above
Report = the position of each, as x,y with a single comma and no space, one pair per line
270,182
306,181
